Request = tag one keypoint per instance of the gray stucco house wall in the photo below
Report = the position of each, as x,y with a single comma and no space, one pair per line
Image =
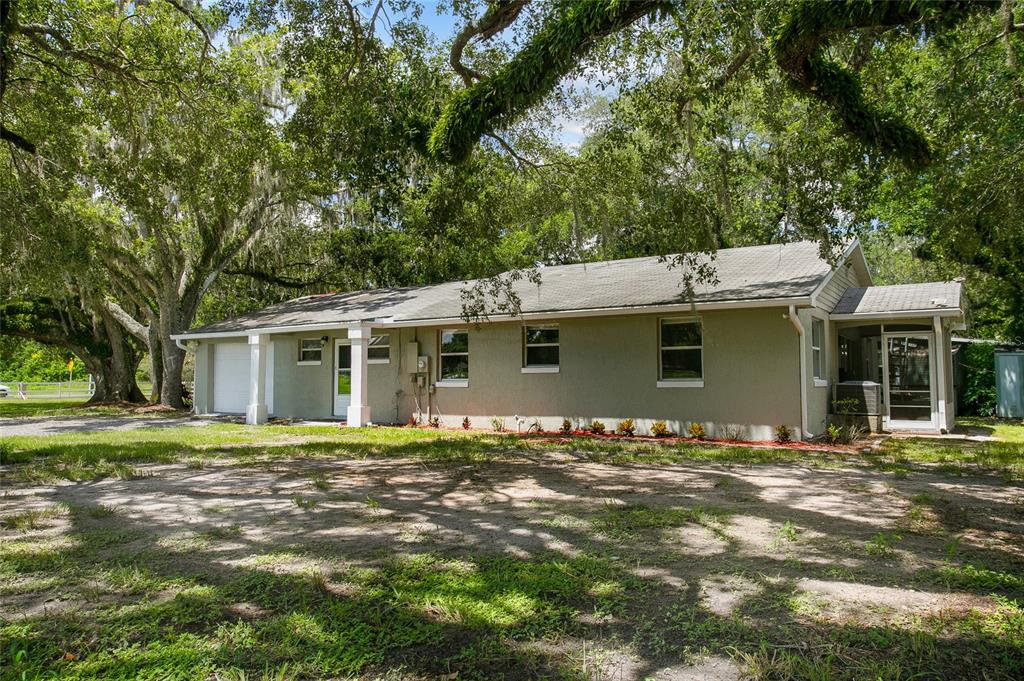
768,346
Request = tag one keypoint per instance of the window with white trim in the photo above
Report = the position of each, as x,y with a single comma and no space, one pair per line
379,349
310,351
454,356
817,345
681,351
540,347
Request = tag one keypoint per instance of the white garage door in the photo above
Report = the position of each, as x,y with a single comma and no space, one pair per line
231,378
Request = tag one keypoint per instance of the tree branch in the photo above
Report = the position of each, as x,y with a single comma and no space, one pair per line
499,16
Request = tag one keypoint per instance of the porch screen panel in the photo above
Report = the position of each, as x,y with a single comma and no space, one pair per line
910,392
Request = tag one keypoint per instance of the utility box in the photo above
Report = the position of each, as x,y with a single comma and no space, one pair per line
1010,385
412,356
423,364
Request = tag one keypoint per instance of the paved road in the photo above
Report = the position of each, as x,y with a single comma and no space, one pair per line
53,425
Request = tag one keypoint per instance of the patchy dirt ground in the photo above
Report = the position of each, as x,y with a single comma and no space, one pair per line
721,561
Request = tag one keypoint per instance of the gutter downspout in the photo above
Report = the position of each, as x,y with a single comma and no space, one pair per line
795,321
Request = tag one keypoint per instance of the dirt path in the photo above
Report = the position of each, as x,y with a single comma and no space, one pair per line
847,546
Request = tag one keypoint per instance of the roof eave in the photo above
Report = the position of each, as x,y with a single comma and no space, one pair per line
386,322
897,314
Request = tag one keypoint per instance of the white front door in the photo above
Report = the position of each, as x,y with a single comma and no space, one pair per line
909,372
342,376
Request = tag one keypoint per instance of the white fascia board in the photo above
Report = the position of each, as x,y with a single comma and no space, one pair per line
390,322
242,333
801,301
900,314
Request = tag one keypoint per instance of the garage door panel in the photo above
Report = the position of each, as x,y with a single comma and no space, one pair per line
230,377
231,365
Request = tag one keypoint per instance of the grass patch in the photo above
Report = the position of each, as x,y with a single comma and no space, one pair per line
635,521
978,579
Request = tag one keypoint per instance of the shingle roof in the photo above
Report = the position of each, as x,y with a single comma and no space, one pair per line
743,274
937,295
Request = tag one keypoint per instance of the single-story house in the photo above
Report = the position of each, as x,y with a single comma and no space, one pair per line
776,338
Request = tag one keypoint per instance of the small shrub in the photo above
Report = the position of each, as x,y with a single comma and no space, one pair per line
834,433
736,433
659,429
435,422
566,428
882,544
697,431
783,434
498,424
626,427
535,427
466,423
414,421
597,428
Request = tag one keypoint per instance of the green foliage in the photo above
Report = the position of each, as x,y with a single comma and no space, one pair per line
26,360
799,51
696,431
882,543
979,365
566,427
833,433
570,29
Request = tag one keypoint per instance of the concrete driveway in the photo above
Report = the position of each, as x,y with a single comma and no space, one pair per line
56,425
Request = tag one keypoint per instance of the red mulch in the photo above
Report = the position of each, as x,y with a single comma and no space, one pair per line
560,438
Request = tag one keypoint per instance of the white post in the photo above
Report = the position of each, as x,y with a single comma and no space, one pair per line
939,353
358,414
256,413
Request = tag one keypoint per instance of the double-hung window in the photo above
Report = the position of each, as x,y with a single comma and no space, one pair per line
379,350
540,349
310,351
681,353
817,349
453,367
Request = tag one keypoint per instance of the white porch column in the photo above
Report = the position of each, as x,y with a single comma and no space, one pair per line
256,412
358,414
939,353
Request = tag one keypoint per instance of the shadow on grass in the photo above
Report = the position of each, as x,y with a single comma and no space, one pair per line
333,589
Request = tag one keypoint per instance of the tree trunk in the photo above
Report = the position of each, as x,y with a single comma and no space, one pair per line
156,364
95,338
172,357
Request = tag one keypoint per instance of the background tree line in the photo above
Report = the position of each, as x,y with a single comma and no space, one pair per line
165,163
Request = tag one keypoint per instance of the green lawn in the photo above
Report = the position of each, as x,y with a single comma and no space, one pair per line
317,552
92,455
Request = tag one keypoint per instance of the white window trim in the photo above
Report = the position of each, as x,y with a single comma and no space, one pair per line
310,362
386,360
819,381
451,382
681,382
541,368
